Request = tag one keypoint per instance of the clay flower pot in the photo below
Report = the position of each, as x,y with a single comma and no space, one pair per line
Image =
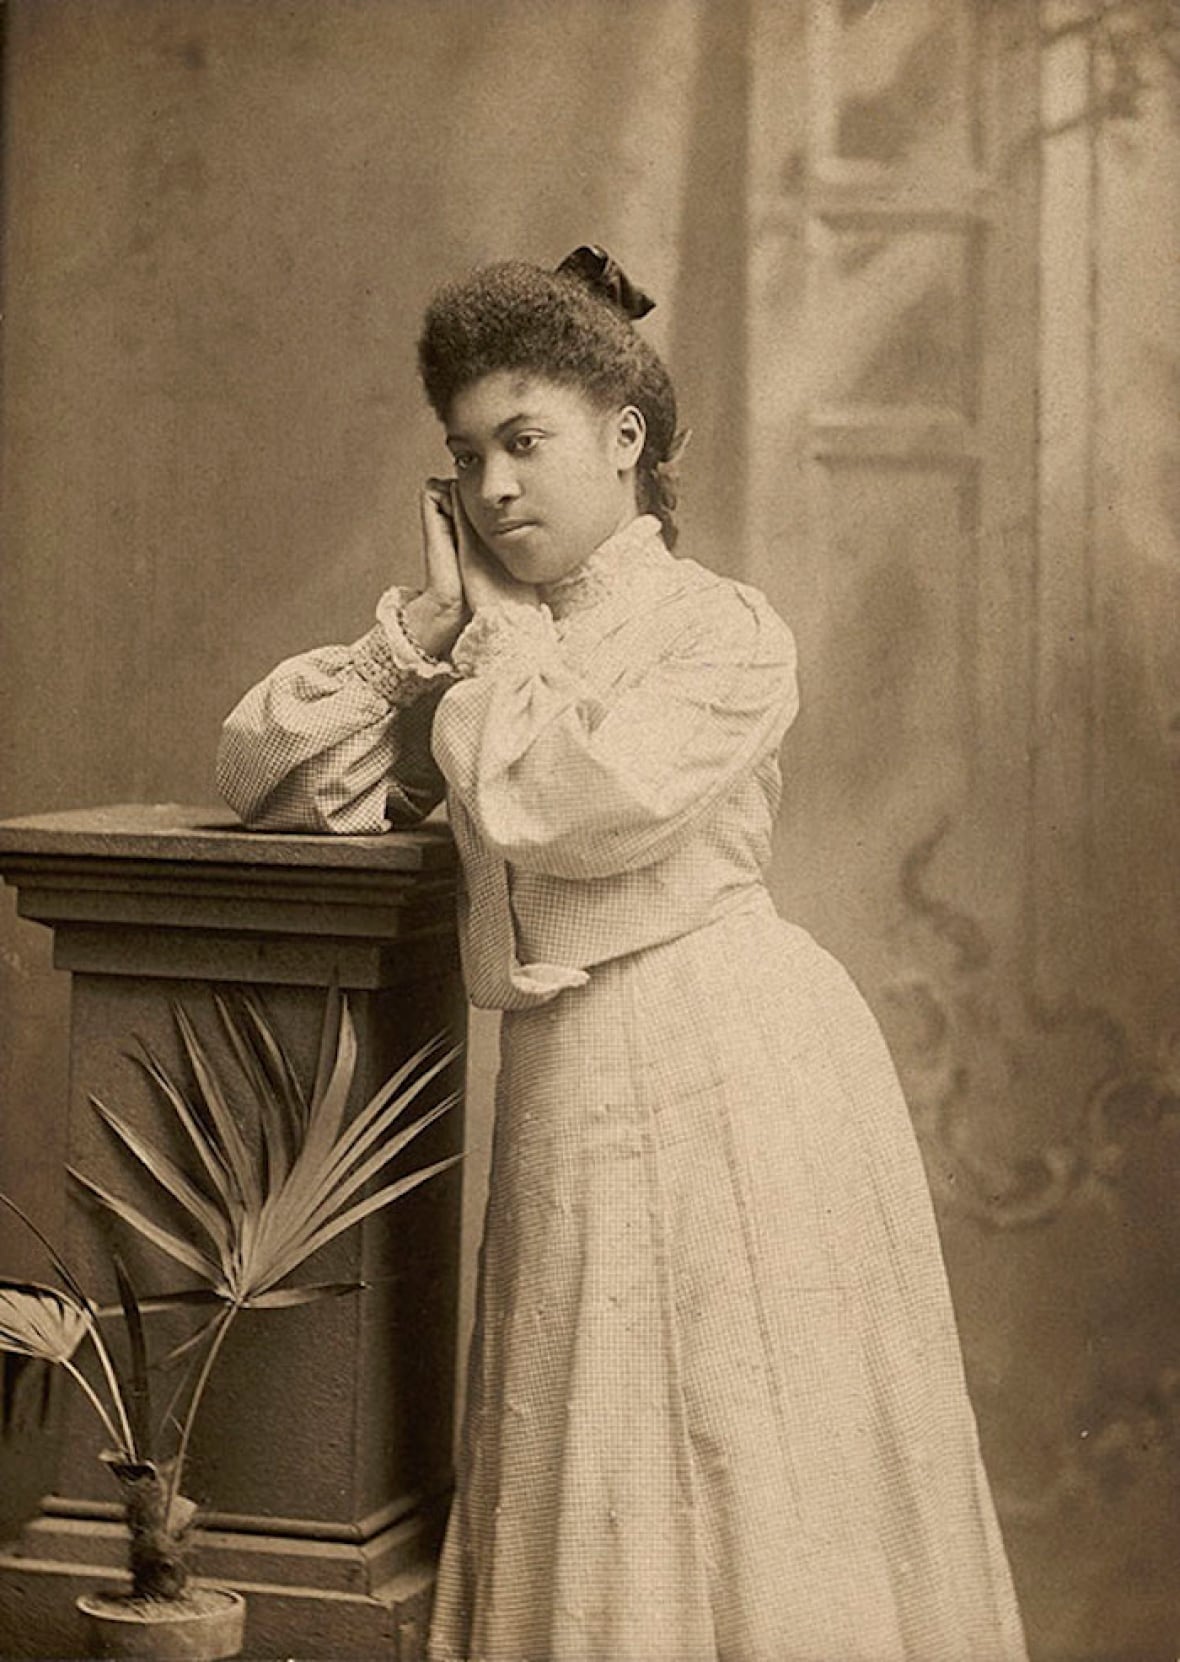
203,1625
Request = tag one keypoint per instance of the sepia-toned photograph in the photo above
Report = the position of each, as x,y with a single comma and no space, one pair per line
590,830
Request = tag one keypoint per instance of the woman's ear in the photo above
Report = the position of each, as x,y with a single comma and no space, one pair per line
630,437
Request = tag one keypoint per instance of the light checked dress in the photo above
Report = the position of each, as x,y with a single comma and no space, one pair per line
716,1407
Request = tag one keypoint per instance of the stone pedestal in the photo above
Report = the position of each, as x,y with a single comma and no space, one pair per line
323,1451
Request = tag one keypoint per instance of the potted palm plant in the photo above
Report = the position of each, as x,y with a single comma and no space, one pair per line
258,1194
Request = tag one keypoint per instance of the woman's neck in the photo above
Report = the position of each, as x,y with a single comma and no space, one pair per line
635,547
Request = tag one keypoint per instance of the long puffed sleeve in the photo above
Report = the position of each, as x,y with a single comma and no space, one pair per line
338,739
562,780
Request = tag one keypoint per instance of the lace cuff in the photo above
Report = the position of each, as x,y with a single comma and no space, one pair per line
498,638
390,659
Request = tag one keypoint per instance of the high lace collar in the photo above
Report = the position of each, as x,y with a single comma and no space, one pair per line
637,548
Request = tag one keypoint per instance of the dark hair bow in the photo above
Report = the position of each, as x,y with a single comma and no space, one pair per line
606,277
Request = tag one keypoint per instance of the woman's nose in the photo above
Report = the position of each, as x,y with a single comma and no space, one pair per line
498,483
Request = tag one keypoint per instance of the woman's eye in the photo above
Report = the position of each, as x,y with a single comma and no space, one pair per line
463,463
524,443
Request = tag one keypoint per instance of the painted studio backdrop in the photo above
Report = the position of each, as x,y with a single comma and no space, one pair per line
916,263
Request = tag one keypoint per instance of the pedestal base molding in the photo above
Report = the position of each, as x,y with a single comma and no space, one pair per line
363,1601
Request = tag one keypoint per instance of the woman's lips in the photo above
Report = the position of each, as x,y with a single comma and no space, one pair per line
512,527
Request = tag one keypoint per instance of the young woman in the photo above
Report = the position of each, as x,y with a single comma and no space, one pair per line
716,1409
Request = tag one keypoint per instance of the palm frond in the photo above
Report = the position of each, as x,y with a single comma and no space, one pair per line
327,1109
391,1101
313,1180
206,1150
183,1251
139,1391
238,1159
314,1167
69,1279
276,1134
344,1187
374,1203
116,1418
250,1211
335,1006
284,1298
185,1299
331,1166
275,1060
41,1322
170,1177
186,1346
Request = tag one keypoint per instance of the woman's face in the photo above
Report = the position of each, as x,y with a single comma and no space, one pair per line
544,475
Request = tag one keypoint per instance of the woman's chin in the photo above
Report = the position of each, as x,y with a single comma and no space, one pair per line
538,565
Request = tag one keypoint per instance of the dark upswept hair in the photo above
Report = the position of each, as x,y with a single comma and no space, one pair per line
555,325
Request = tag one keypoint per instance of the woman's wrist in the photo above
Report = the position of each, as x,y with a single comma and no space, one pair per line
433,625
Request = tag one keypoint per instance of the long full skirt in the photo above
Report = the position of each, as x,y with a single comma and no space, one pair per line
716,1407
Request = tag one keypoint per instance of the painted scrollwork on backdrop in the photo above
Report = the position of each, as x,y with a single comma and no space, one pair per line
974,1044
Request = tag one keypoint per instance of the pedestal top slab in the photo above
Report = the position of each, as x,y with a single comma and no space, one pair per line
179,832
